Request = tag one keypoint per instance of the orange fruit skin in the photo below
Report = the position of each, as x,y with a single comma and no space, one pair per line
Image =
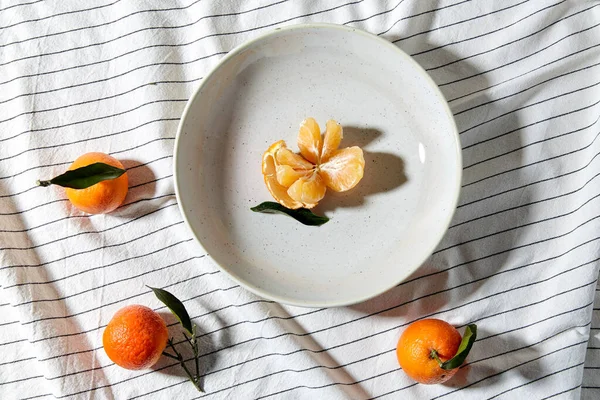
103,197
135,337
415,345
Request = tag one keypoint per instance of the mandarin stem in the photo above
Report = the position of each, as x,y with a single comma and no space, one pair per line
195,347
433,354
182,362
170,355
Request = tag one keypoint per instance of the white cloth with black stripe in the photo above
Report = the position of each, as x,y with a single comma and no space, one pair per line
520,260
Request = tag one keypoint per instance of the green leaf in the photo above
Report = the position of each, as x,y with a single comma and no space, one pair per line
463,350
176,307
302,215
84,177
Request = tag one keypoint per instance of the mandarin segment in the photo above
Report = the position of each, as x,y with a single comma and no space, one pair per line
309,140
287,175
331,141
279,192
308,190
344,169
286,157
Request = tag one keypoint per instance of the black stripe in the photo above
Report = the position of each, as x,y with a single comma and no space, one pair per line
456,113
142,48
121,206
527,244
19,5
529,165
130,297
534,202
537,379
13,341
32,168
118,301
112,283
92,139
523,225
152,181
103,326
16,361
94,119
495,254
193,41
76,85
518,40
480,35
532,183
146,234
81,103
37,75
59,14
144,29
326,385
144,144
373,377
321,330
509,369
515,61
401,305
563,392
420,298
403,388
525,73
391,392
323,350
538,142
268,375
529,105
568,312
375,15
533,123
391,308
59,220
16,194
22,379
445,26
99,267
70,162
88,232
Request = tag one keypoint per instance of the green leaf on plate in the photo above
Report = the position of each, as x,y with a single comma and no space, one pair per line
84,177
302,215
463,349
176,307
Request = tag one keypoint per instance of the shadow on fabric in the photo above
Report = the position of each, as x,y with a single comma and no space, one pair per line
465,256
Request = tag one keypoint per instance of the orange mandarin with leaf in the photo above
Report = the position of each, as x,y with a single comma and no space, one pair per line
95,183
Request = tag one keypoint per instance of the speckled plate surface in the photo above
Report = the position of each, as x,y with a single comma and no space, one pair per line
382,230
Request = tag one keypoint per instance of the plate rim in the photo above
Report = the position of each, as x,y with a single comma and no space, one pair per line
233,53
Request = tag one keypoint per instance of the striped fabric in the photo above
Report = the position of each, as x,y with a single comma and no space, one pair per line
520,260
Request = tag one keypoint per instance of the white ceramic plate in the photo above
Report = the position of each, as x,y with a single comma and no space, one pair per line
382,230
